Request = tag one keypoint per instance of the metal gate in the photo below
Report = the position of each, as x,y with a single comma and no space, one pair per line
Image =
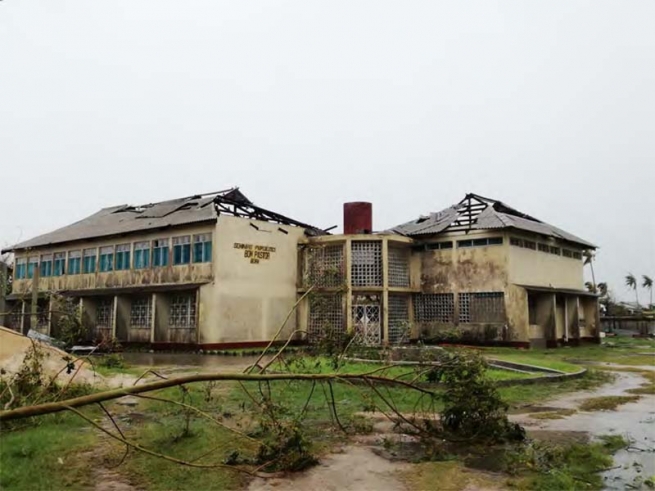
367,319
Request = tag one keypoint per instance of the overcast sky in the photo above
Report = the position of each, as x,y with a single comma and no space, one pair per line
548,106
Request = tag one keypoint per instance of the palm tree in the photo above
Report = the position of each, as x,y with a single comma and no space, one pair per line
589,259
590,287
602,288
648,283
631,282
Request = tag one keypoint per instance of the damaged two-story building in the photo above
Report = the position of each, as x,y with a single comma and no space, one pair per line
217,271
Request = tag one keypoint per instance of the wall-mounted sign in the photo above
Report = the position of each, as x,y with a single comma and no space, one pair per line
255,252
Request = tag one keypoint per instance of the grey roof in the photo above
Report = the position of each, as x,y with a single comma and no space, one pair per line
475,212
123,219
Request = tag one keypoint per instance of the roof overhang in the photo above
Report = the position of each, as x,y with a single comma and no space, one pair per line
567,291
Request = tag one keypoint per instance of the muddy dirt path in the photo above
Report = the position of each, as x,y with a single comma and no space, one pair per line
634,421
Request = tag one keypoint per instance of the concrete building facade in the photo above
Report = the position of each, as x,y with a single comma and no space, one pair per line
217,271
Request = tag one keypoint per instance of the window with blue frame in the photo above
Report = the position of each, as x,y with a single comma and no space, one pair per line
182,250
74,262
123,256
202,248
59,267
106,259
46,265
160,252
89,262
141,255
32,264
21,269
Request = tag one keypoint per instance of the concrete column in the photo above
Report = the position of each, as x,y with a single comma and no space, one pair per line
385,289
4,272
34,322
348,261
113,317
153,316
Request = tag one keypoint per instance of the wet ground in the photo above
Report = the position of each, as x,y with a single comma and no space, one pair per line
185,361
634,421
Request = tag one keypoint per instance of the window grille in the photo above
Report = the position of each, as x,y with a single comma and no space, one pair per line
434,307
59,266
182,311
89,262
567,253
516,242
439,245
480,242
74,262
105,313
398,267
182,250
325,317
482,307
366,263
544,248
555,250
106,259
528,244
399,319
366,317
325,268
202,248
141,255
141,313
46,265
123,256
160,252
577,255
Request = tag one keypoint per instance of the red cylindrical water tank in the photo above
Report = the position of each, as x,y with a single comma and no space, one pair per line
357,217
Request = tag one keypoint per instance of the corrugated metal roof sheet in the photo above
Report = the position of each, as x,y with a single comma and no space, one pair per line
494,215
124,219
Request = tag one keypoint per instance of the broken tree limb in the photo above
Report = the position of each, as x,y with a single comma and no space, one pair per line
55,407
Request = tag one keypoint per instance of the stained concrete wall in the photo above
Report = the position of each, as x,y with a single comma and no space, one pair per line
173,275
255,270
538,268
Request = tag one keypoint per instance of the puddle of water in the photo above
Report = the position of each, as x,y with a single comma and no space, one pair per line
634,421
188,360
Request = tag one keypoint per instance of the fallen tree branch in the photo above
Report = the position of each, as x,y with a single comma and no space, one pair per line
55,407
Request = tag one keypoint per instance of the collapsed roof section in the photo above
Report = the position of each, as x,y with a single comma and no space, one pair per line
476,212
125,219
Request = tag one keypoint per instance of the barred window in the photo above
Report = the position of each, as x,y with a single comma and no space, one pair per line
105,313
398,319
528,244
516,242
567,253
434,307
325,268
141,313
398,267
182,311
325,316
544,248
366,263
555,250
439,245
482,307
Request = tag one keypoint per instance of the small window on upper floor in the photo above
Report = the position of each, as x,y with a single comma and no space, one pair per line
439,245
59,266
480,242
141,255
46,265
515,242
567,253
32,264
555,250
544,248
74,262
182,250
528,244
106,259
21,268
464,243
123,256
202,248
89,261
577,255
160,252
495,241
